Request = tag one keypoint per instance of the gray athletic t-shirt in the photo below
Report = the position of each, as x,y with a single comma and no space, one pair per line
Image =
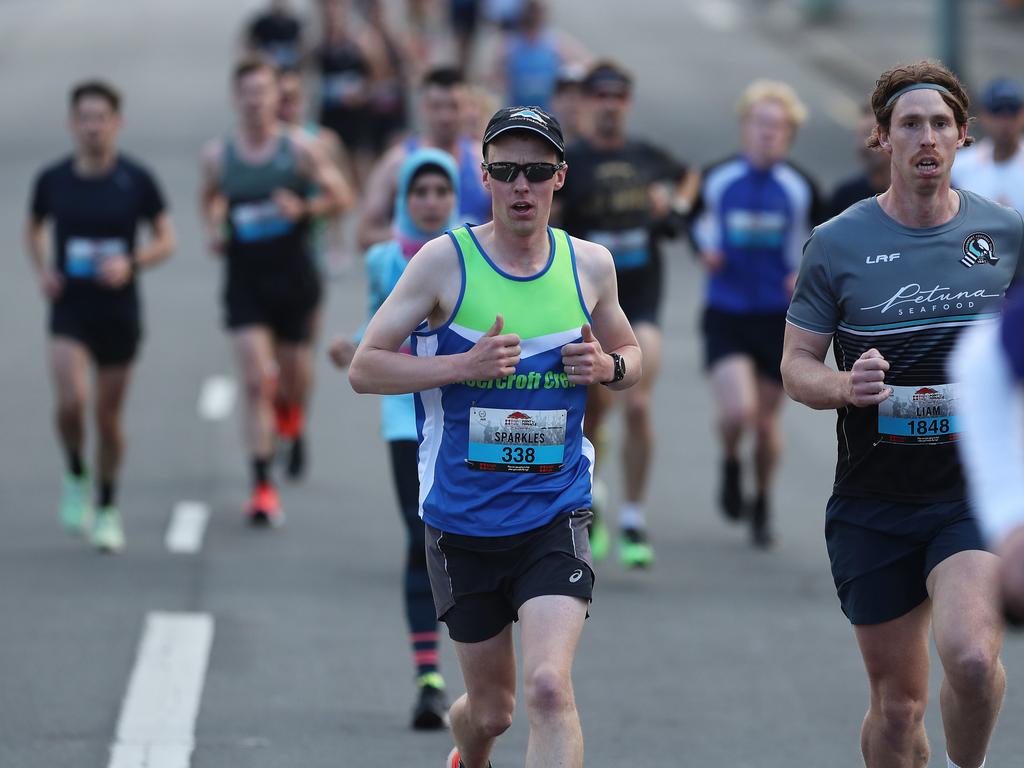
868,281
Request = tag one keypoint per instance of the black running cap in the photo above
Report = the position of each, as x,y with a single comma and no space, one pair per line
532,119
607,74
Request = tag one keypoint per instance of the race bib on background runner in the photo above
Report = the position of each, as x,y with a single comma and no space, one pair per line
259,221
921,415
503,440
82,255
629,247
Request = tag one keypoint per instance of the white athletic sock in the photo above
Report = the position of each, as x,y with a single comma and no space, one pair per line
951,764
632,516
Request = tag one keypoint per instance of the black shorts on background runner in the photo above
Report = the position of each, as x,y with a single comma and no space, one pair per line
107,323
479,582
882,551
640,292
757,336
285,303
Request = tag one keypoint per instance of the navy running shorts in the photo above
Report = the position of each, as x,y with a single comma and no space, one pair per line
758,336
882,551
479,583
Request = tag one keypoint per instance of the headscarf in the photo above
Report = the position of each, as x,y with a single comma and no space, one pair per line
408,235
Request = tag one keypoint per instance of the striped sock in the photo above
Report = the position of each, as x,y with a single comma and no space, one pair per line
424,652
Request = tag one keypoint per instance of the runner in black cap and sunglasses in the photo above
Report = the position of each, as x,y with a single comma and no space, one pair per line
510,321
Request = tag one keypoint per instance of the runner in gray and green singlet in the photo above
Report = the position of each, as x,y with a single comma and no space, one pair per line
257,201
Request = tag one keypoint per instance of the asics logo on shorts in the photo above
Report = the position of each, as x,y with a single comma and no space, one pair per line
576,576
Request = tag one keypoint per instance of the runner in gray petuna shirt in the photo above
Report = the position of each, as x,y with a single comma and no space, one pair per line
890,284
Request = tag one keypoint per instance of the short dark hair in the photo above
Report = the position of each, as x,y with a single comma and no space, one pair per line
443,77
98,88
253,62
925,71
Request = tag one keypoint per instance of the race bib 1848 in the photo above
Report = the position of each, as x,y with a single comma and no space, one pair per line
919,415
503,440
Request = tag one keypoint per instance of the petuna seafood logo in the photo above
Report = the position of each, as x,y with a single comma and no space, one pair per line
927,393
518,419
979,249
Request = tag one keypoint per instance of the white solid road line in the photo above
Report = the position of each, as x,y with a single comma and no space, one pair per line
188,524
157,724
217,397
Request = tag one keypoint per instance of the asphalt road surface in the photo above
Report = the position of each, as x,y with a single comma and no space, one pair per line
288,648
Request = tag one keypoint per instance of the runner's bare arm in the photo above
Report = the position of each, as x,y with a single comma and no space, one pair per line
379,198
335,196
37,242
161,244
337,152
611,330
212,203
427,288
808,380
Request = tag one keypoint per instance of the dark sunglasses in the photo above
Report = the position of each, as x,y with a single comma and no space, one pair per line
507,172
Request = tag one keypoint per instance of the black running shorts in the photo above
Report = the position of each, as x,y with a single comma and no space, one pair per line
757,336
640,292
284,303
108,325
479,583
882,551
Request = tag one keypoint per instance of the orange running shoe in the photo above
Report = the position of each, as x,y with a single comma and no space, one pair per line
265,506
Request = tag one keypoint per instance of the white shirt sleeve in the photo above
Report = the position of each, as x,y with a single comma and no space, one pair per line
991,415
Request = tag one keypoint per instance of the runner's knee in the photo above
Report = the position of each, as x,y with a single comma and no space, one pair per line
494,717
767,428
548,692
258,385
638,409
972,669
71,406
901,714
109,424
739,417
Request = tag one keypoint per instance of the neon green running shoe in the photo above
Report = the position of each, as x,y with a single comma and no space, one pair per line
431,710
75,506
635,551
600,541
107,533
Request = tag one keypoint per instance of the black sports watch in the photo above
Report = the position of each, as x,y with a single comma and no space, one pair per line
620,368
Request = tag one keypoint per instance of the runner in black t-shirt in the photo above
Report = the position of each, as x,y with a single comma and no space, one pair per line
626,195
95,200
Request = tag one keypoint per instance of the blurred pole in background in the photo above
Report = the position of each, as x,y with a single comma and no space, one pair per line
951,34
819,10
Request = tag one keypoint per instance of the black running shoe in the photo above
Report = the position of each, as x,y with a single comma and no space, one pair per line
297,458
760,524
431,710
731,498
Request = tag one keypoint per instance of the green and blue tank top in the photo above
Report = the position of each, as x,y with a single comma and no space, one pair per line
502,456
